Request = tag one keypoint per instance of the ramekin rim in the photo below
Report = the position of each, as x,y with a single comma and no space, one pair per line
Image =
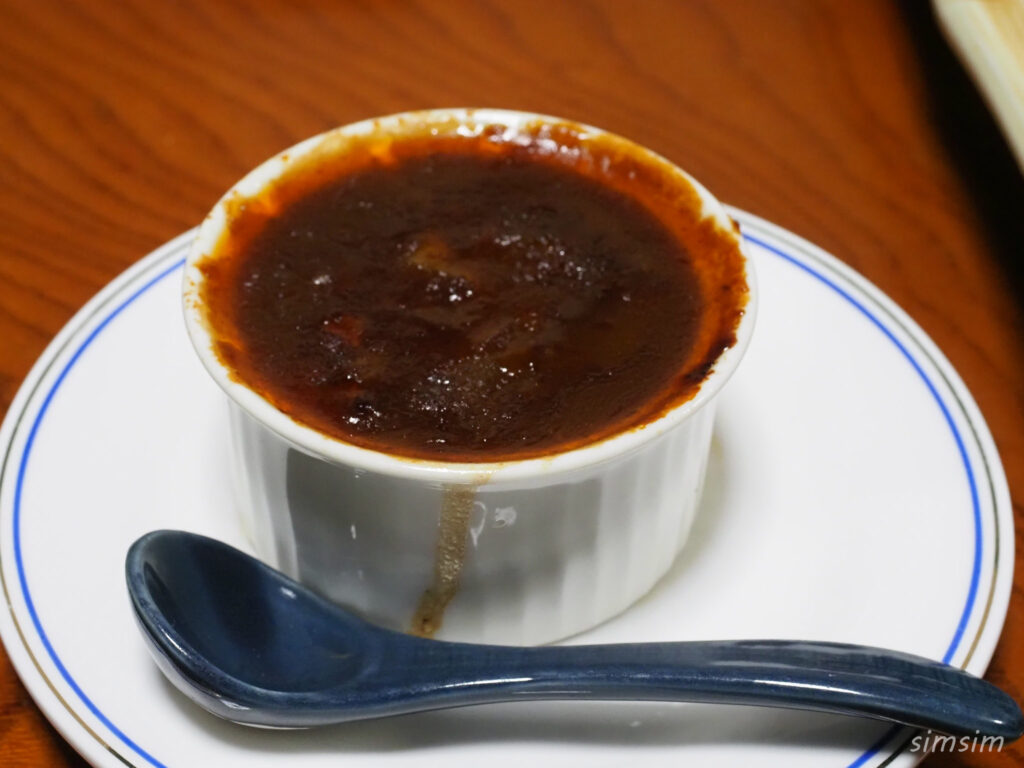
334,450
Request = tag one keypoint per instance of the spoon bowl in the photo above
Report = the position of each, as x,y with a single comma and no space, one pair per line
251,645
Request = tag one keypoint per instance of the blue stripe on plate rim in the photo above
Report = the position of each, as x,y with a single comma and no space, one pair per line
771,241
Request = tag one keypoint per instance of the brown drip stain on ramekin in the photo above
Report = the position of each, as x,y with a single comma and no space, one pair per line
449,558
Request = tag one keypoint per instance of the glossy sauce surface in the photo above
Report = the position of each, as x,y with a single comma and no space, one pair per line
457,300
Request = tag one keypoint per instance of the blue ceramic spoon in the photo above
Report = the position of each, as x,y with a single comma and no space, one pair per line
253,646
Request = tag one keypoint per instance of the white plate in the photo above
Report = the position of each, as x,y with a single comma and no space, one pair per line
854,495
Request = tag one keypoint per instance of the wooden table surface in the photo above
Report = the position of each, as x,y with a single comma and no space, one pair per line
849,123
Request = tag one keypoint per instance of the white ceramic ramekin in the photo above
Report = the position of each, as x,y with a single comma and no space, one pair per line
552,545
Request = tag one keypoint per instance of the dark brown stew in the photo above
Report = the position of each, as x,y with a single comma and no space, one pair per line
456,301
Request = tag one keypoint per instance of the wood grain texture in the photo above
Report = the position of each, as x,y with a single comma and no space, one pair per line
849,123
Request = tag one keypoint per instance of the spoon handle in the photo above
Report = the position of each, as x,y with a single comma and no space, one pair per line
829,677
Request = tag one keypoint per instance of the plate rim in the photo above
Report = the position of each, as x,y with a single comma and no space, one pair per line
159,264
